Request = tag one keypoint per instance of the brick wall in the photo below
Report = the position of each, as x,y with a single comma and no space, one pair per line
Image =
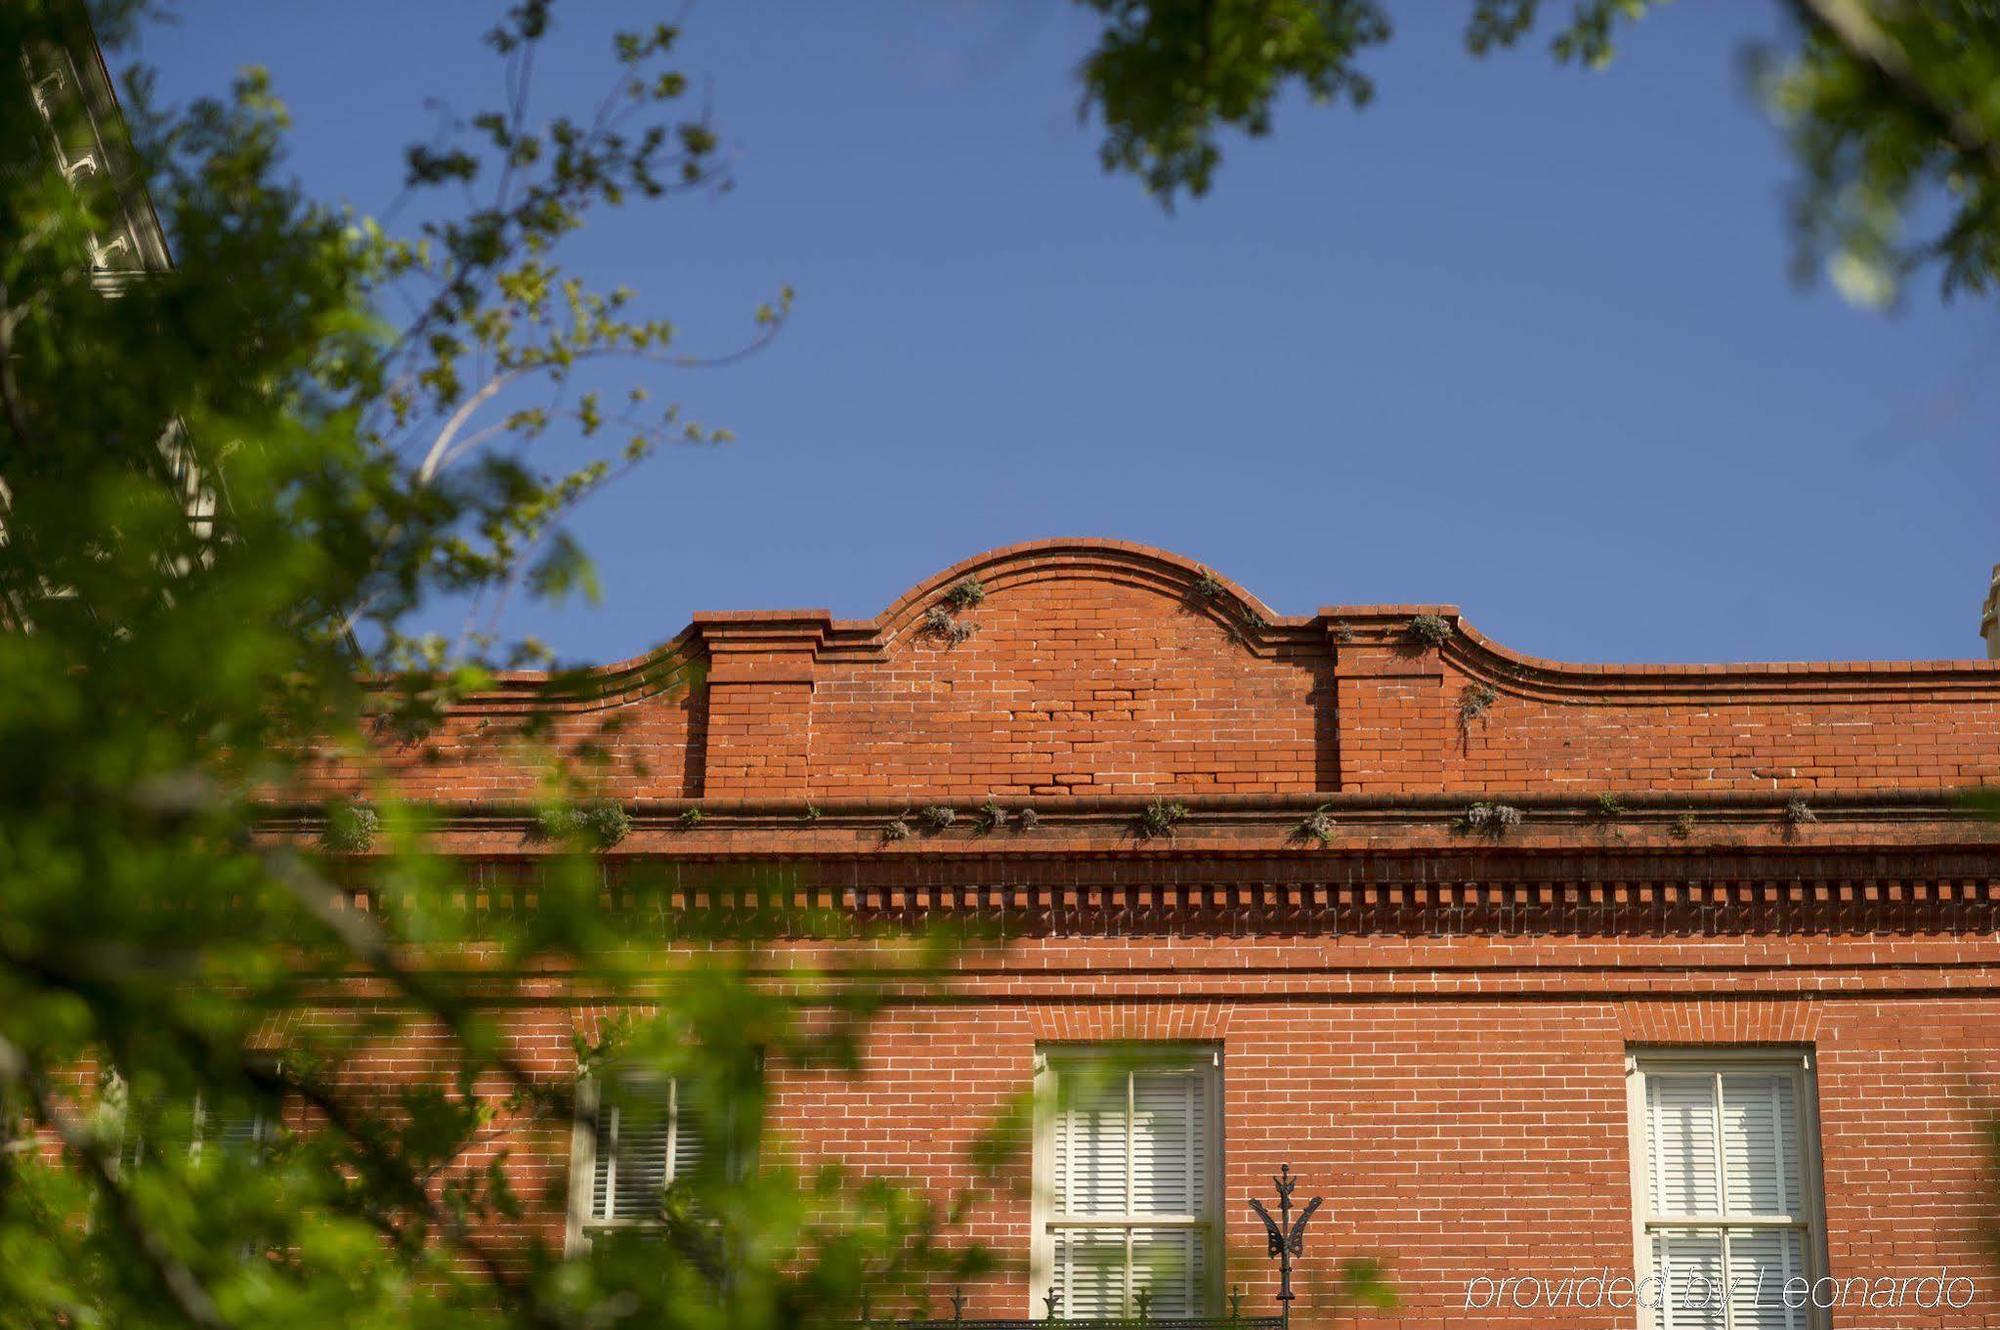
1462,1110
1429,1026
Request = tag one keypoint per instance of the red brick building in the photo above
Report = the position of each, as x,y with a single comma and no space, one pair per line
1532,970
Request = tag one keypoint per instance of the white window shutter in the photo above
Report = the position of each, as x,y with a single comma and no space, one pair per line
1092,1146
1760,1261
1760,1143
1688,1266
1682,1136
1170,1263
1169,1143
632,1161
1170,1146
1090,1271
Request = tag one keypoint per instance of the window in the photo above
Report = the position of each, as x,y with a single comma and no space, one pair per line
146,1128
1726,1189
632,1141
246,1129
1127,1181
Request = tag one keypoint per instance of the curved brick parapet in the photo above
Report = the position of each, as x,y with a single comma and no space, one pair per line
1104,668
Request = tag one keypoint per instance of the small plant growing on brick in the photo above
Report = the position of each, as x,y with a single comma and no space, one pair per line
1474,701
938,623
1489,819
1343,632
1208,586
1799,813
350,827
965,594
1160,818
897,829
1683,826
812,813
1608,806
939,816
606,823
555,823
990,817
1029,819
1429,630
601,824
692,818
1318,826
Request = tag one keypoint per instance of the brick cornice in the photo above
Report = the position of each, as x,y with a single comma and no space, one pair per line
1261,821
1471,903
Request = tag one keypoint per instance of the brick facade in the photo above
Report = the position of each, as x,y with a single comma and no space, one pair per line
1430,1023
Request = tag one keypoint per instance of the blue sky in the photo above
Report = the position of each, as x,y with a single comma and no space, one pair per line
1516,337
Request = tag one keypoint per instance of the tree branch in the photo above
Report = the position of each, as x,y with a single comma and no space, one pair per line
180,1283
1849,23
414,1192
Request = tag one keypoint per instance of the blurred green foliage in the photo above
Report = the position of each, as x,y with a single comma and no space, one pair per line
1890,107
226,487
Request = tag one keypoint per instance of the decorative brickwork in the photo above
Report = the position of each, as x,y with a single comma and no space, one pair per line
1098,668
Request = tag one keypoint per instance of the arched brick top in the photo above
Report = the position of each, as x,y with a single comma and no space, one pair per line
1138,1021
1711,1021
1087,667
1180,583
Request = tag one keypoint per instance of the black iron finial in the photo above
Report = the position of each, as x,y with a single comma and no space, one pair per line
1286,1236
958,1304
864,1306
1236,1302
1053,1298
1144,1297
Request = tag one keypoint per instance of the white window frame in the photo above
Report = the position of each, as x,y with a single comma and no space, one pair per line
1801,1065
583,1158
1137,1058
208,1124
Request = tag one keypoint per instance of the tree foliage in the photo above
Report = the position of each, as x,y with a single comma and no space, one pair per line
226,488
1889,107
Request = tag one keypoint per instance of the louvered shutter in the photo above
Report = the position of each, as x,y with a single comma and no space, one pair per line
1169,1149
1090,1271
1092,1149
1688,1265
1170,1177
689,1144
633,1154
1172,1265
642,1143
1760,1144
1682,1109
1760,1261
